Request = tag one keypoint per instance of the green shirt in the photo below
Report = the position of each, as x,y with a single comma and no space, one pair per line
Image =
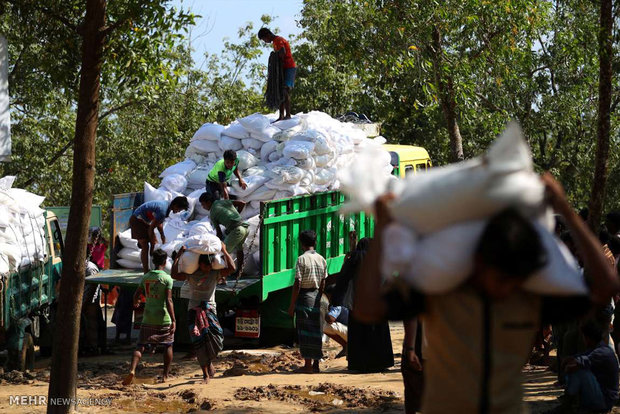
220,174
224,213
154,284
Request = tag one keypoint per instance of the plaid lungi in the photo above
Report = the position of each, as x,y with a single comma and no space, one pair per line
155,335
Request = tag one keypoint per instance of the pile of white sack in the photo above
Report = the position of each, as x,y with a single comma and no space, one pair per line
277,160
440,216
22,227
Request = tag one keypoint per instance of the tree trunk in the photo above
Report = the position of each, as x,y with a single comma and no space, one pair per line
597,198
447,100
64,358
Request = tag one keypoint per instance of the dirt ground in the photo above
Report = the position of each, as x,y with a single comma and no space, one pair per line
256,381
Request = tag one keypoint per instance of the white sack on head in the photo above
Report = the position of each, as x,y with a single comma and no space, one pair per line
203,244
230,143
208,131
183,168
365,179
188,263
236,130
436,271
473,189
202,227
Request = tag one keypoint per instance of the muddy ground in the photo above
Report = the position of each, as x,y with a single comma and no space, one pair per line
246,381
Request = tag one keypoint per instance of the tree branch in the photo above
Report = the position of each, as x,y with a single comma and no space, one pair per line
117,108
109,29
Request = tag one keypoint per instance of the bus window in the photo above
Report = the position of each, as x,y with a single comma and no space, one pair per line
409,170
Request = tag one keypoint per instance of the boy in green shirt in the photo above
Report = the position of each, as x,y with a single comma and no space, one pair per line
158,322
219,177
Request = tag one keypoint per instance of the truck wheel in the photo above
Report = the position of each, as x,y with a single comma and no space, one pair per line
25,357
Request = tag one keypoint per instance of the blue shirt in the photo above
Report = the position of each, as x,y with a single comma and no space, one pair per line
152,210
340,313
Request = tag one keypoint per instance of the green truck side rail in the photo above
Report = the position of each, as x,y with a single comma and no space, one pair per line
28,292
284,219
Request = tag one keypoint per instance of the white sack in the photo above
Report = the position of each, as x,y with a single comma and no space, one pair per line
246,160
473,189
230,143
255,122
252,143
183,168
199,175
298,149
129,254
254,182
203,227
206,146
288,123
208,131
236,130
437,272
126,240
174,182
129,264
266,134
203,244
188,263
267,148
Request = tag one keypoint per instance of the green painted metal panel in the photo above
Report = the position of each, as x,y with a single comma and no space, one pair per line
284,220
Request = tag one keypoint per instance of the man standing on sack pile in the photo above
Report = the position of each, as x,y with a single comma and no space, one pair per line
219,177
226,213
480,334
282,47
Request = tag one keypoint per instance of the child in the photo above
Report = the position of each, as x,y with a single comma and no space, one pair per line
204,329
158,323
310,274
219,177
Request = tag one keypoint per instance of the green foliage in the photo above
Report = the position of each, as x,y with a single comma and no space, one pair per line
527,60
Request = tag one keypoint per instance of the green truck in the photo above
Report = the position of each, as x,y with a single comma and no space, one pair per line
257,307
25,300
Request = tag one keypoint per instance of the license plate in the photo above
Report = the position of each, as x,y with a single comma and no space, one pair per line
247,324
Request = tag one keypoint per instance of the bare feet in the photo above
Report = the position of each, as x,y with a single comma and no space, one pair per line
205,379
287,117
315,368
211,370
129,379
304,370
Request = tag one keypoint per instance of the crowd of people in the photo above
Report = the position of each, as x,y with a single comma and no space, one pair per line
470,343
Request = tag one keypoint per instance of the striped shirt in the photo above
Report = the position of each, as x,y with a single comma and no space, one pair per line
310,270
